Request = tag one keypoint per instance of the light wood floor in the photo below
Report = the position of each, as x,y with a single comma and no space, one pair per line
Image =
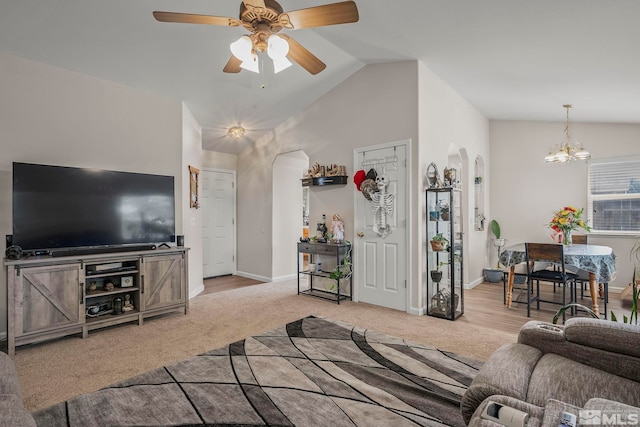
482,304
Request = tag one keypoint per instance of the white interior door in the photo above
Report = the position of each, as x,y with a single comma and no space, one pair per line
219,229
381,267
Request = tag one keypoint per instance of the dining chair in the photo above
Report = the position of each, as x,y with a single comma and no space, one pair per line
582,276
552,253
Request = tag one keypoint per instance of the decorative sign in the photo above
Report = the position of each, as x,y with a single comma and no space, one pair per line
193,187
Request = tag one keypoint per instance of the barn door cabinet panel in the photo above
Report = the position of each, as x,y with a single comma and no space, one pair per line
43,300
163,280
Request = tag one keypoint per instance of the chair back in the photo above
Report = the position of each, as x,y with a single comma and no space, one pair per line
545,252
579,239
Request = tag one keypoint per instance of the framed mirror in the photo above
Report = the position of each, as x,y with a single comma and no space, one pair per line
433,176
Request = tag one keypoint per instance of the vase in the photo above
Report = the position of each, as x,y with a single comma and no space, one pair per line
566,238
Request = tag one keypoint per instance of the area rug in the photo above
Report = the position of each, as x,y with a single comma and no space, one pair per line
311,372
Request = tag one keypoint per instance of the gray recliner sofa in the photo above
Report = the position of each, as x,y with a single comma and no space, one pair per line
12,411
587,364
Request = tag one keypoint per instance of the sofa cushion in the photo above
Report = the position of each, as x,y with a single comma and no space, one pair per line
12,413
610,336
8,376
556,377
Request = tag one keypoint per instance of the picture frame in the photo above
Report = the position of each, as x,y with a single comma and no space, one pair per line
194,174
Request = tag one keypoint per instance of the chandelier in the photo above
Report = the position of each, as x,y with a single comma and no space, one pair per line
236,132
567,150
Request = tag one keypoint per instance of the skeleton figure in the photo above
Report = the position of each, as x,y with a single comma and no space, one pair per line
382,206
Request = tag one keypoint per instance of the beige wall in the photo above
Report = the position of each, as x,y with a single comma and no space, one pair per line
380,103
446,118
525,191
192,226
54,116
216,160
375,105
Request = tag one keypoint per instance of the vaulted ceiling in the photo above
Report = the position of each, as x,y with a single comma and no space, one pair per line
513,60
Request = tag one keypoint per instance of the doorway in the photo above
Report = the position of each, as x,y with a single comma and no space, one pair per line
218,200
382,259
288,212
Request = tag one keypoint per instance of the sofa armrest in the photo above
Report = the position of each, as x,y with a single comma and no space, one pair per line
506,372
597,343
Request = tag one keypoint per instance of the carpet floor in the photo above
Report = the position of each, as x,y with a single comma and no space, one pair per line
310,372
58,370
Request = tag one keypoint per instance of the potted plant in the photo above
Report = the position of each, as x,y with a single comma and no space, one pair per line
439,242
444,212
494,275
436,275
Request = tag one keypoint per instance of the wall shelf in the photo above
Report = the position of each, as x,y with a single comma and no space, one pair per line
324,180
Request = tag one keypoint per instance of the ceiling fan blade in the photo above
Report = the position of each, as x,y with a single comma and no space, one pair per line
254,3
189,18
300,55
329,14
233,65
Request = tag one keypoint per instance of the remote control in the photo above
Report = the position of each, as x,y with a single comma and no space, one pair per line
567,419
505,415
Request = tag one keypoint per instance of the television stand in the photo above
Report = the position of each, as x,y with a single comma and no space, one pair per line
99,250
54,297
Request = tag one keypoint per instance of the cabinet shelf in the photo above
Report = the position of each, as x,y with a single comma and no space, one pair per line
112,319
96,294
111,273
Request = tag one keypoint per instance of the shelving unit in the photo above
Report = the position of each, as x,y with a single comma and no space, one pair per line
335,257
53,297
445,295
324,180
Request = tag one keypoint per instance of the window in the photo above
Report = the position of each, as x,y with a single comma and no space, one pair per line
614,195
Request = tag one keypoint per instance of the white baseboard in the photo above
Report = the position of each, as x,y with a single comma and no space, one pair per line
284,278
254,276
196,291
474,283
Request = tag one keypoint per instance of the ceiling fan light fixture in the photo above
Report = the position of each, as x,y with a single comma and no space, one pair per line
278,49
236,132
243,50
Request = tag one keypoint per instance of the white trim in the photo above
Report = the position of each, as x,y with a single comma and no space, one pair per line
474,283
409,216
284,278
234,214
254,276
197,291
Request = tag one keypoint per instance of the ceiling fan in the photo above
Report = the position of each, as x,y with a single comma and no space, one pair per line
263,19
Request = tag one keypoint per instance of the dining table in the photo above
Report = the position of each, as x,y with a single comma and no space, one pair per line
598,261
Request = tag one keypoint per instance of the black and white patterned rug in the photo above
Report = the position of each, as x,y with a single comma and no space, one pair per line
311,372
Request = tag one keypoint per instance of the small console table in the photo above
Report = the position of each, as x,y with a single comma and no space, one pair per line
336,261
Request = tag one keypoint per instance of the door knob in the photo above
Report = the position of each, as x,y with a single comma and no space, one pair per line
361,234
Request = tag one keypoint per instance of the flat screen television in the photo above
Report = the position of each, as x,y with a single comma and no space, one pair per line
59,207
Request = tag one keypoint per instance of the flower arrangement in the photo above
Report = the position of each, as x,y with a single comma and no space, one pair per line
566,220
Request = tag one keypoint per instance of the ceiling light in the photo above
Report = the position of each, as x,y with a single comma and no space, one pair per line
567,150
236,132
243,50
278,49
246,50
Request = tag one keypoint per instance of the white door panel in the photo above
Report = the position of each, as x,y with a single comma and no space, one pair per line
381,262
218,223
